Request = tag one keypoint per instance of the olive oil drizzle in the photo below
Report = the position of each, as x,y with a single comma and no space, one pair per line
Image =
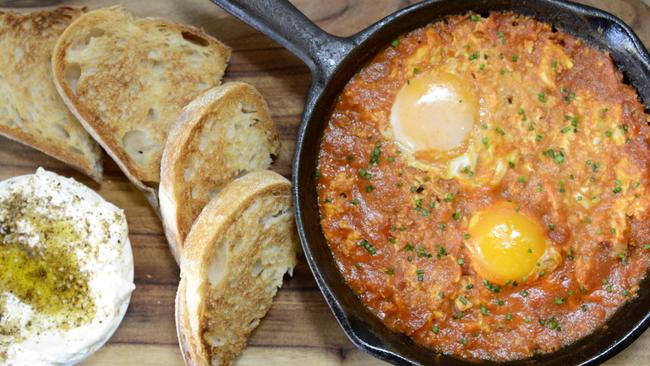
47,276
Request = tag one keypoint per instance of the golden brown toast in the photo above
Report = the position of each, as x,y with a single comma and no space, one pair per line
31,110
224,133
127,79
234,260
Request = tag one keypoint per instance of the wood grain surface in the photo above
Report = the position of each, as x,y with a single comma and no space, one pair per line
299,329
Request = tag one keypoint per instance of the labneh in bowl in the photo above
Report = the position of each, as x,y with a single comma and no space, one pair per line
333,61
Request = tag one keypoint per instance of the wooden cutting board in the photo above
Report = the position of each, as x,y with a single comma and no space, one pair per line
299,329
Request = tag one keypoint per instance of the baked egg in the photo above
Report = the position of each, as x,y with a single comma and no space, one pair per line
507,245
438,120
66,270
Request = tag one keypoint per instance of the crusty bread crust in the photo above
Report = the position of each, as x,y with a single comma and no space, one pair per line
224,133
227,281
31,111
126,80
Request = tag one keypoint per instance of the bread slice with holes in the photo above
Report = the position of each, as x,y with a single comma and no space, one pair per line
31,110
127,79
235,258
224,133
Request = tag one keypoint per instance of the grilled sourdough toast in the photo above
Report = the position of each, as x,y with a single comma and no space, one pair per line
31,110
235,257
127,79
224,133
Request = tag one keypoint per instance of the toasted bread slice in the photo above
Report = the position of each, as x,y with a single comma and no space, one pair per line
127,79
224,133
31,110
235,257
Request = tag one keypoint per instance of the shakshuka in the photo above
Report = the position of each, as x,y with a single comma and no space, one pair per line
482,184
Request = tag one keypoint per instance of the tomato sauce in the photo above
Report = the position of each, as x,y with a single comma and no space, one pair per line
398,232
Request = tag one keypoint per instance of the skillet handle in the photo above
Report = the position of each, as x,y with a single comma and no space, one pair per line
281,21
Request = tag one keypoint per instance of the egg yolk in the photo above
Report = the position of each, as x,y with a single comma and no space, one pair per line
505,244
434,112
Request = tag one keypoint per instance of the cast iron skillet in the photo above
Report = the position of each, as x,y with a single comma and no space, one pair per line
334,60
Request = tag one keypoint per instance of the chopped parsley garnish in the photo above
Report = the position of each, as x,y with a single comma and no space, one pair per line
559,300
422,252
502,37
515,58
552,324
364,173
541,96
394,43
435,329
473,56
390,271
416,70
523,293
625,293
558,155
317,174
594,166
521,179
463,300
456,216
509,316
374,155
566,129
441,251
491,286
370,188
568,96
408,247
418,203
467,170
500,131
449,197
469,286
366,244
420,275
355,202
460,261
350,158
484,309
475,17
